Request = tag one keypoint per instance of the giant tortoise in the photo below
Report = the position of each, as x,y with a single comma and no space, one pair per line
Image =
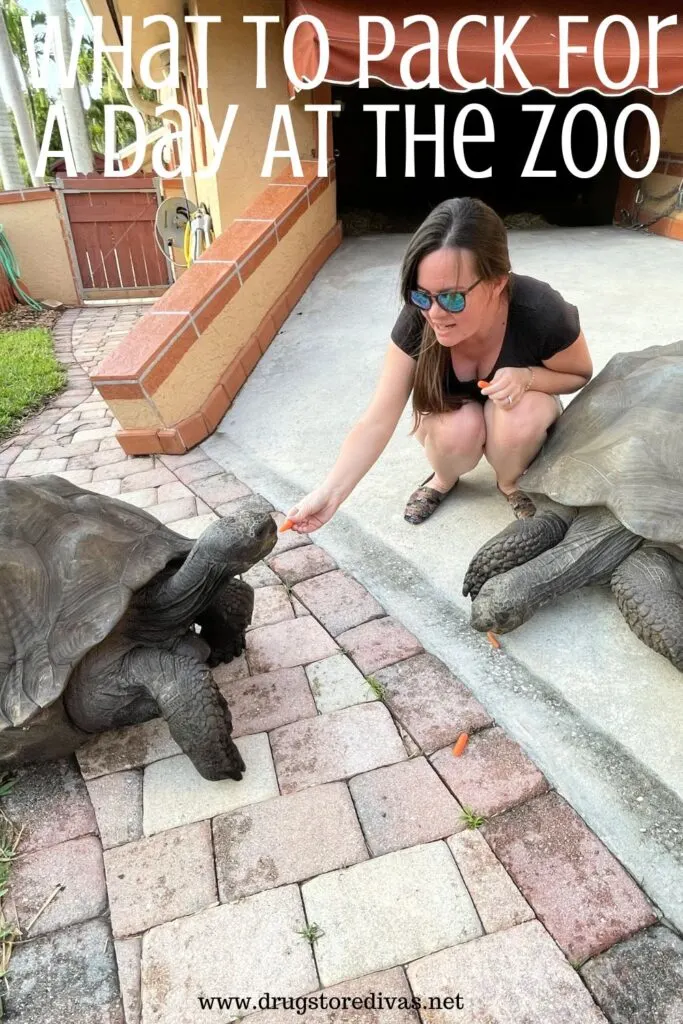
613,469
99,609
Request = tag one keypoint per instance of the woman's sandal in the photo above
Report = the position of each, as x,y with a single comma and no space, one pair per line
520,503
423,502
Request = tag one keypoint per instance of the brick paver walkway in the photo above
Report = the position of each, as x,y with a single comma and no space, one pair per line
348,825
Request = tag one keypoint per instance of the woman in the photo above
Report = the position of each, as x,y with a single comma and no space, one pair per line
467,319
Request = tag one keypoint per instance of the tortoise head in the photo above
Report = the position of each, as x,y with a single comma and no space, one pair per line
498,607
237,541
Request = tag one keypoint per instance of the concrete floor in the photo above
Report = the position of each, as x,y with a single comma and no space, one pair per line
599,712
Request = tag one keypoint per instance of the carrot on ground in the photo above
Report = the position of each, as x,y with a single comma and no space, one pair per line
287,525
460,744
493,639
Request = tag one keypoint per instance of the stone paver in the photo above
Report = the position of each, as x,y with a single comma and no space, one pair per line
216,490
378,643
301,563
432,704
51,802
121,749
117,800
68,976
271,604
174,511
286,840
129,962
299,609
152,478
174,793
403,805
158,879
289,643
640,981
336,683
76,865
141,499
198,470
254,948
266,701
195,526
107,488
499,902
261,575
133,469
338,601
579,891
366,1002
225,673
493,775
517,976
335,746
387,911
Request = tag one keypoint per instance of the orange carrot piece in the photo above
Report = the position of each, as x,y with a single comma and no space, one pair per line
482,383
493,639
460,744
287,525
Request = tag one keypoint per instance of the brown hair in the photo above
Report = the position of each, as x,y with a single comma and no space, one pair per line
461,223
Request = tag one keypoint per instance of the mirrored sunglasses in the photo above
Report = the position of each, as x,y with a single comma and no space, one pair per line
450,301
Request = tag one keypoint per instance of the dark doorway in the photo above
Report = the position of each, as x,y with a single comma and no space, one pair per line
367,203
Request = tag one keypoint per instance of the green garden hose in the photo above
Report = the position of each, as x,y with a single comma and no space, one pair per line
11,268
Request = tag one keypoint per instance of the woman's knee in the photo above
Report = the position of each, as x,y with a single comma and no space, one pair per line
460,432
525,423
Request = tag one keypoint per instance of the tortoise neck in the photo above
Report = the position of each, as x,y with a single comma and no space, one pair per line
174,603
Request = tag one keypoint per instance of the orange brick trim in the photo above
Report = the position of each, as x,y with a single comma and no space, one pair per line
158,342
670,227
189,432
26,195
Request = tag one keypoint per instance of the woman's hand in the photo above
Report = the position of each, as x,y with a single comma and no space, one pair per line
508,386
313,511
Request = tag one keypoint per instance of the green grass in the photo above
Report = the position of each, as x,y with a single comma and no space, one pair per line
29,373
377,688
311,933
471,818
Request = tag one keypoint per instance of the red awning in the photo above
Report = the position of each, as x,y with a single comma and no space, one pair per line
536,48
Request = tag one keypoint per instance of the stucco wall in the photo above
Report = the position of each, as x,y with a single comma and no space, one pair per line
232,79
34,231
197,373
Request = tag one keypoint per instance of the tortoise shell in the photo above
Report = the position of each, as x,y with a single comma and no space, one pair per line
619,444
69,562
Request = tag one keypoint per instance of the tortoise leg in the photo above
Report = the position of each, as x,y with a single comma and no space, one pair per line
225,620
147,681
593,546
517,543
650,597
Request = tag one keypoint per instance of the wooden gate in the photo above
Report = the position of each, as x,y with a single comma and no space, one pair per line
114,244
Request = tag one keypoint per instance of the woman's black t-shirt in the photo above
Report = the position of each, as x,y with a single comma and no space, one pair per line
540,324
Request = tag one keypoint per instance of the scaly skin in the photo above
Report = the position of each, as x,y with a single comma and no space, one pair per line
593,546
650,597
225,620
517,543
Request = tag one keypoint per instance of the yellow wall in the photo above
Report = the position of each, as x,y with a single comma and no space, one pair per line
232,76
199,371
34,232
